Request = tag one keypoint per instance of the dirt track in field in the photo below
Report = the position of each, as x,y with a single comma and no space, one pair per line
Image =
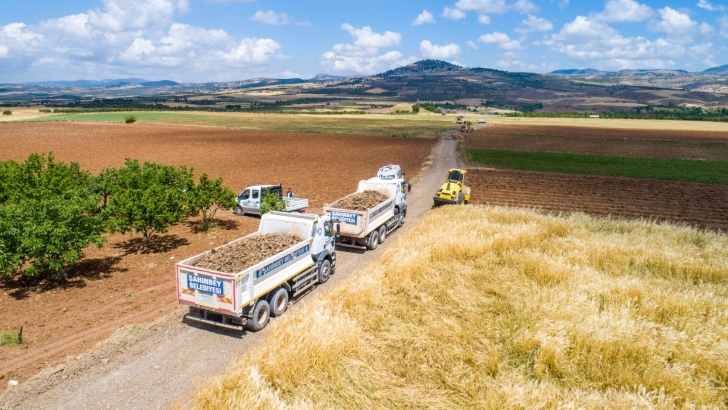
634,143
123,283
699,205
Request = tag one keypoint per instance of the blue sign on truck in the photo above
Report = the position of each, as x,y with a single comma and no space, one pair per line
345,217
204,284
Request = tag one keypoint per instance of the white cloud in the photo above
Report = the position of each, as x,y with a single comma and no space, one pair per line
363,57
270,17
723,26
521,66
303,23
454,14
424,18
483,19
525,7
502,39
446,52
228,1
366,37
128,15
673,21
625,11
251,51
533,23
706,29
4,50
483,6
703,4
472,45
563,4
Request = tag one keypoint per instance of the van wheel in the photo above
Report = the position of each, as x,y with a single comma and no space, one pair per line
261,315
238,210
324,272
373,241
382,234
278,302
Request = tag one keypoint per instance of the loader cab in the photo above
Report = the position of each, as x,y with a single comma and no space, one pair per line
459,176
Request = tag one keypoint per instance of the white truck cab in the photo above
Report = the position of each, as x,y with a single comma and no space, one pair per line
249,200
390,171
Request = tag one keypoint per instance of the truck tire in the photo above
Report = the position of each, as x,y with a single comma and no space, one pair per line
261,316
373,241
238,210
382,233
324,272
278,302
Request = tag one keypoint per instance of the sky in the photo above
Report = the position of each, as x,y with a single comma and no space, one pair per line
228,40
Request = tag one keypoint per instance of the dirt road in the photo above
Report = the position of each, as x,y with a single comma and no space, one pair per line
160,365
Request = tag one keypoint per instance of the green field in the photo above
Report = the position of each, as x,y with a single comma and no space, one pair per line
658,168
116,116
389,126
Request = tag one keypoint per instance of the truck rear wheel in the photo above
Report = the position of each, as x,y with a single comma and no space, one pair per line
238,210
261,316
278,302
373,241
324,272
382,234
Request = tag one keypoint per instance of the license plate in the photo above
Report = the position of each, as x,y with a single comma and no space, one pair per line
206,297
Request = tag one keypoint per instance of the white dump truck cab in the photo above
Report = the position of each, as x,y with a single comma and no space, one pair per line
390,171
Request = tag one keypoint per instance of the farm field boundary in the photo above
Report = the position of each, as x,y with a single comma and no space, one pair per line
491,307
658,168
379,125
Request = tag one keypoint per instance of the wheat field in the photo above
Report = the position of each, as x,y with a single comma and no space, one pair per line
492,307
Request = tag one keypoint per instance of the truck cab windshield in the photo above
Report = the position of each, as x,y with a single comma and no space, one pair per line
245,194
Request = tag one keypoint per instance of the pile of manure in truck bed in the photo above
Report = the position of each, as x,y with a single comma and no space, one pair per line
247,252
360,201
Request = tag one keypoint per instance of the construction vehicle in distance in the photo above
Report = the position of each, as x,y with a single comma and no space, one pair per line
459,119
454,190
467,127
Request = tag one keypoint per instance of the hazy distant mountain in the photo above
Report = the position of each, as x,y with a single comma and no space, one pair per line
717,70
575,71
326,77
104,83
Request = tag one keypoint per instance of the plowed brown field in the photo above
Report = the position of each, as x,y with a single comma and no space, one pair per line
122,283
634,143
700,205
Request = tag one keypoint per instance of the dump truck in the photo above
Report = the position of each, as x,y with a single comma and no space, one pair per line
249,200
246,299
454,190
367,228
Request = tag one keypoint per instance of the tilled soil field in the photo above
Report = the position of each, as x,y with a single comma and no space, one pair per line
124,283
360,201
632,143
247,252
700,205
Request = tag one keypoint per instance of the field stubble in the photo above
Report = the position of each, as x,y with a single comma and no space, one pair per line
489,307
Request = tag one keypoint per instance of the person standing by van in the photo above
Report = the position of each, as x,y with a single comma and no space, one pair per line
289,193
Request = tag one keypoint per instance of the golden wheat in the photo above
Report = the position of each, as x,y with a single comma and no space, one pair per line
489,307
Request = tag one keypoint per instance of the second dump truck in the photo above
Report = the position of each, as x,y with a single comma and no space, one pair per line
248,298
366,229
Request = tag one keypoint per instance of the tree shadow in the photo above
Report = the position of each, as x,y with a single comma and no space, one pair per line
224,224
158,244
20,286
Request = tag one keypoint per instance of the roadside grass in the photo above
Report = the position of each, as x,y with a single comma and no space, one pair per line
10,337
387,126
123,332
690,170
492,307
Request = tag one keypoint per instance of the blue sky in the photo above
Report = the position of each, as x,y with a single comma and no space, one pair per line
219,40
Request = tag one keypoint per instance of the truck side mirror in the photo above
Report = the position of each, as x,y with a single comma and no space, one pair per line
409,188
338,230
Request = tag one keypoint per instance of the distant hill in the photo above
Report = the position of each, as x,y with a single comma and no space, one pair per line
326,77
575,71
104,83
717,70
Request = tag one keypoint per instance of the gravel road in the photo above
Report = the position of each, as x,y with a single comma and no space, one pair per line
160,365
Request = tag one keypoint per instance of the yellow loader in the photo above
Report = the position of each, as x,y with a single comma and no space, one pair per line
454,191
